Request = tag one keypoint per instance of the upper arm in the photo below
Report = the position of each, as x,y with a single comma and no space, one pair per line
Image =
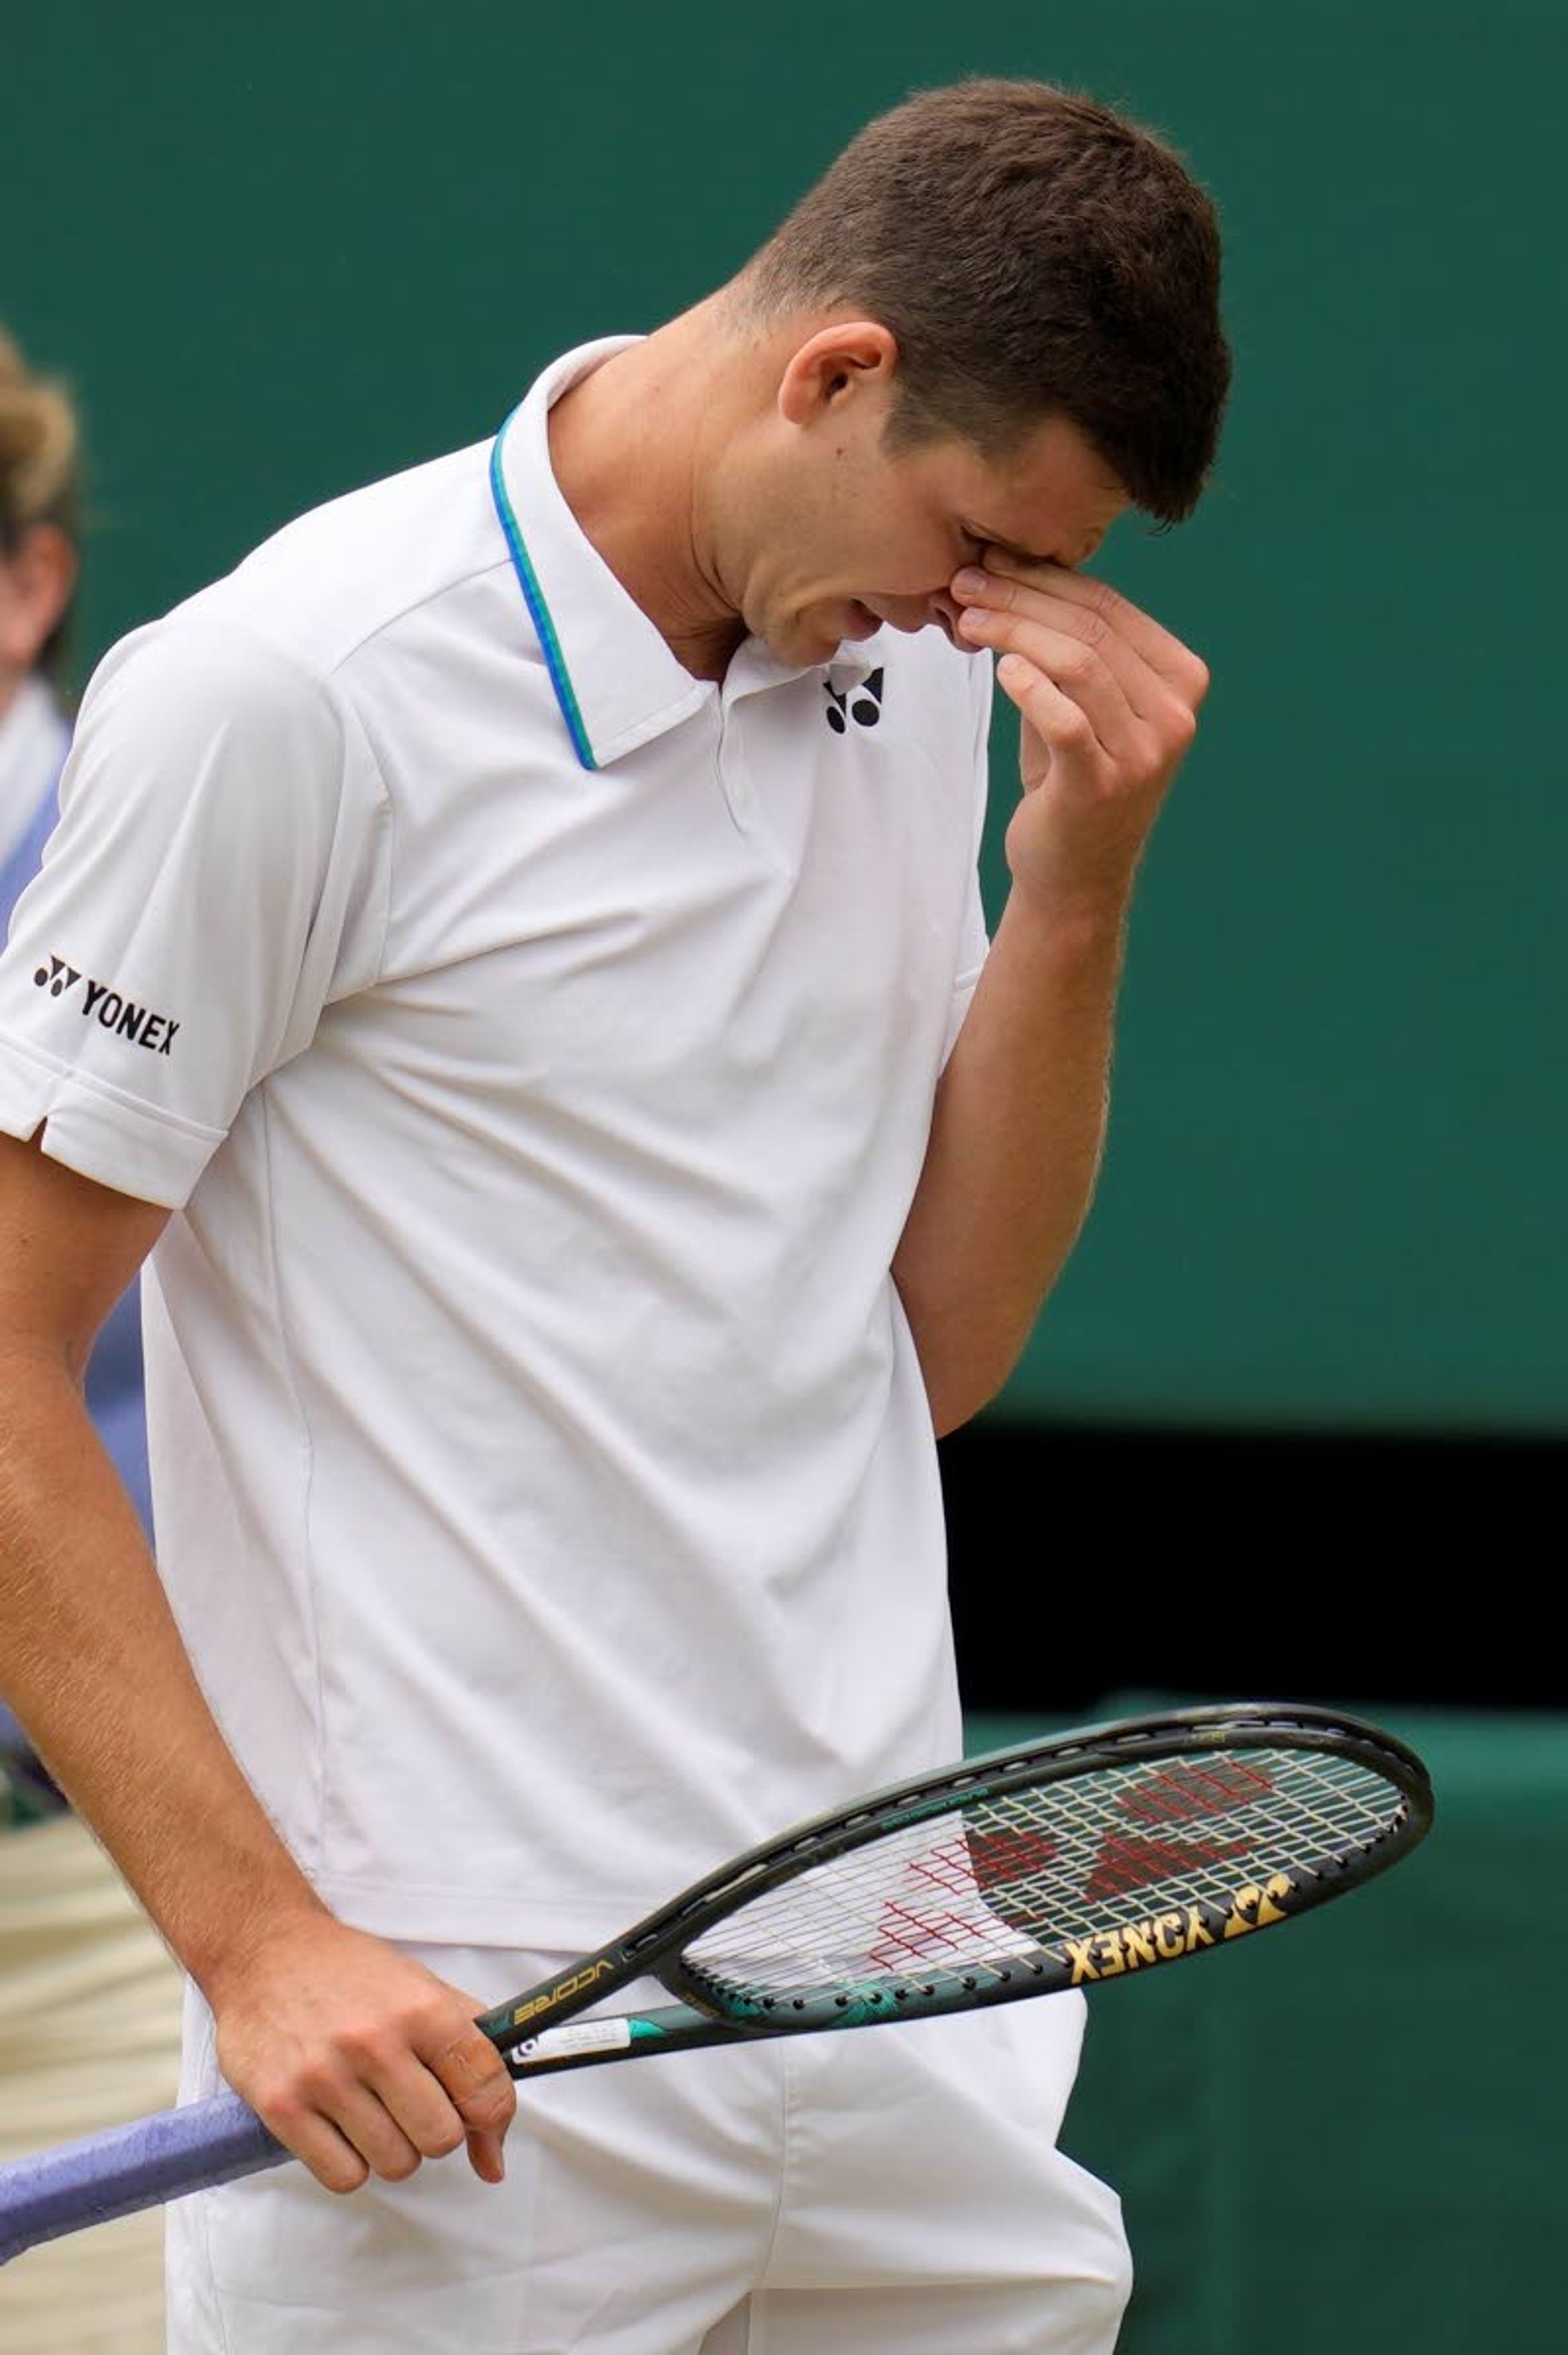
216,876
68,1247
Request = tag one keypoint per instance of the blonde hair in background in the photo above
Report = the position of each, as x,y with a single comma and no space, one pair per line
40,466
40,446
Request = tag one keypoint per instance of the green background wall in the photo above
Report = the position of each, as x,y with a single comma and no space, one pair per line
282,250
1341,2138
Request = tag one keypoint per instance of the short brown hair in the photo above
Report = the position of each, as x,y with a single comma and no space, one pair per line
1035,254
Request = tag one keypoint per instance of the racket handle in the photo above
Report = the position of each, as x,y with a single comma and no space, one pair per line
142,2164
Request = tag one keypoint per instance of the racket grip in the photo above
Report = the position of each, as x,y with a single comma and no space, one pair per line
141,2165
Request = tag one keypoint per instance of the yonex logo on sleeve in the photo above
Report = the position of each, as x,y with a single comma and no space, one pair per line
137,1024
57,978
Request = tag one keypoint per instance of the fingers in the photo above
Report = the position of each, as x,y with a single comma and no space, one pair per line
485,2158
315,2140
483,2095
1096,633
1102,616
1079,672
375,2139
1065,638
479,2090
427,2097
1062,724
403,2074
340,2130
377,2108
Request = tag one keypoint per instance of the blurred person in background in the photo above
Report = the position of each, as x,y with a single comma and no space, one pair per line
74,1945
39,566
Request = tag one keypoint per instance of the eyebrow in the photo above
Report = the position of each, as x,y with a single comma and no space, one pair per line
1011,548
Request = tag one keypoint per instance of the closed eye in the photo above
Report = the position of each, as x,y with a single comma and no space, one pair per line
1005,547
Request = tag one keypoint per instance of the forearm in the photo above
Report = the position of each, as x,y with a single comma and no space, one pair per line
93,1663
1017,1137
360,2057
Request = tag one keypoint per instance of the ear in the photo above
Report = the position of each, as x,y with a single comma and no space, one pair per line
36,584
838,364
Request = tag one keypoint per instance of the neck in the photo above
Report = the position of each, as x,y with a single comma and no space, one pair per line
628,446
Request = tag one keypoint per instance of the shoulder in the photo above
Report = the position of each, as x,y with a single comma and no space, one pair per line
336,576
211,744
201,682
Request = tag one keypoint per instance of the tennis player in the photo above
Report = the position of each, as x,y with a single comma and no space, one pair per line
511,969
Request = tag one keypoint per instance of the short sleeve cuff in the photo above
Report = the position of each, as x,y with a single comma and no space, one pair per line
99,1132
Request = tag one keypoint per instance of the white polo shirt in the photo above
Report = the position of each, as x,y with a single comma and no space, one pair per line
536,1046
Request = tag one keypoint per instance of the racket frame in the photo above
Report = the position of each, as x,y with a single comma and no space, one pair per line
221,2140
654,1946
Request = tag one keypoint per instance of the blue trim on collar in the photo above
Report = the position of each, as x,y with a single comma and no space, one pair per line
534,598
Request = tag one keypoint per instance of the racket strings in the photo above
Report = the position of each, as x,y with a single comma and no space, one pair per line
982,1885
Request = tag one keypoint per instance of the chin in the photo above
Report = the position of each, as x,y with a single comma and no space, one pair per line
802,640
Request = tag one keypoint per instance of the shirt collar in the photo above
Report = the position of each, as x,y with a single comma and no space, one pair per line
616,681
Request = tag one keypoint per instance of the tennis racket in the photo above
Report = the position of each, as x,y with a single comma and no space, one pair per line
1096,1856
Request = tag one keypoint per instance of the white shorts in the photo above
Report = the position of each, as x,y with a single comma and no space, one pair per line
889,2192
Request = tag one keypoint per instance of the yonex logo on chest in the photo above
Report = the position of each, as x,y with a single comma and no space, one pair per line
862,702
138,1025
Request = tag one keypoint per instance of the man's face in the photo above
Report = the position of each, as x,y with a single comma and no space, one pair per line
865,539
